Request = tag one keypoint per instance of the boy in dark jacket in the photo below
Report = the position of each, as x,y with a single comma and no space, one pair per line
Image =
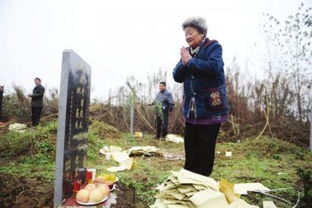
37,102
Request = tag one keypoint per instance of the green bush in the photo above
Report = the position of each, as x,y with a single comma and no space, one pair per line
103,130
13,109
30,142
268,147
305,176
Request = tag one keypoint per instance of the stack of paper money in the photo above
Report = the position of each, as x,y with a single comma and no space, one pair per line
185,189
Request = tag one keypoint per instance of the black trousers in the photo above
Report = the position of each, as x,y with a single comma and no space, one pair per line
36,113
199,145
162,124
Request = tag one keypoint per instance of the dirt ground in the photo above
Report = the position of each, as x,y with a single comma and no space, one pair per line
33,193
127,198
23,192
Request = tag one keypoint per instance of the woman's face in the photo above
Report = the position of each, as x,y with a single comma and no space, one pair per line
193,37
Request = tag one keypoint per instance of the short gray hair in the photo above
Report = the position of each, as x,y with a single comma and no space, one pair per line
198,23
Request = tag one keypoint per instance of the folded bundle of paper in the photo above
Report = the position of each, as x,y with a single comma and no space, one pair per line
143,151
174,138
17,127
185,189
123,157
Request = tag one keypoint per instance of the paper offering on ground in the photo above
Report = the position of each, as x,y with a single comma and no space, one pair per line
174,138
209,198
109,150
125,165
269,204
185,189
243,188
120,156
142,150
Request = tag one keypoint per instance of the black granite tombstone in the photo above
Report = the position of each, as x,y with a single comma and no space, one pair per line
73,121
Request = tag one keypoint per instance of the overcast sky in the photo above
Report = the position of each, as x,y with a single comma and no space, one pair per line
120,38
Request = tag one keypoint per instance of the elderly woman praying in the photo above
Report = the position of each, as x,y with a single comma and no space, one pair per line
205,106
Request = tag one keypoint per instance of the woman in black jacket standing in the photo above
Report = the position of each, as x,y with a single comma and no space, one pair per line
205,106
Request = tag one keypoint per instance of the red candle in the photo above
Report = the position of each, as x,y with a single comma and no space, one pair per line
89,176
77,185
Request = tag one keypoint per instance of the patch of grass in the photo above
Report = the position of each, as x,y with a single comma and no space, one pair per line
272,162
147,172
31,153
41,139
102,129
267,147
31,168
268,161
